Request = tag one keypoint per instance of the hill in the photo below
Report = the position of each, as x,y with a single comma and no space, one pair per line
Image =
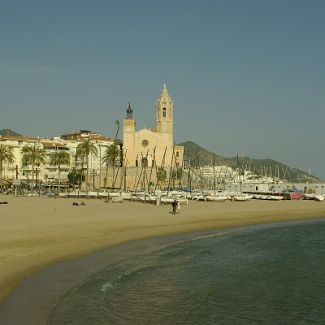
8,132
199,156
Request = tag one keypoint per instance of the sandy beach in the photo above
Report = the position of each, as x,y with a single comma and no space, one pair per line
36,233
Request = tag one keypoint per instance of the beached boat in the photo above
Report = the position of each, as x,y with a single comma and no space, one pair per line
167,200
268,197
117,199
198,197
313,196
242,197
274,197
293,196
217,198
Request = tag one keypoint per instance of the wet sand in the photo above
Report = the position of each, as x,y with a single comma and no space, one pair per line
36,233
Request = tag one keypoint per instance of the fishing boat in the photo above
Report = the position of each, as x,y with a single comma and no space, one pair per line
242,197
217,198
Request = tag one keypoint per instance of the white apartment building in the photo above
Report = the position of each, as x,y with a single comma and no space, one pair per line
46,173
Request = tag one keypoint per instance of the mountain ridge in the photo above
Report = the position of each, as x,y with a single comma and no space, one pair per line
8,132
199,156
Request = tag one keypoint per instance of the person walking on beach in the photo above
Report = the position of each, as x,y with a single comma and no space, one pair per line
174,206
178,207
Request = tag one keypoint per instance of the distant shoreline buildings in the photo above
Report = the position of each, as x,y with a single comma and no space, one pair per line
145,158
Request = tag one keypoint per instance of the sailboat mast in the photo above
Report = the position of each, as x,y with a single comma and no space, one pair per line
239,178
214,173
170,170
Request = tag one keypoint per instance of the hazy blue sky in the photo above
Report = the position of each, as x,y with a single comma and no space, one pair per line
246,76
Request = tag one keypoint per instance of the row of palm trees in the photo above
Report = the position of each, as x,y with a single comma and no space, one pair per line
33,156
111,153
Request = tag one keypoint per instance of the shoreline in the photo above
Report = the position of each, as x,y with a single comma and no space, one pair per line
39,233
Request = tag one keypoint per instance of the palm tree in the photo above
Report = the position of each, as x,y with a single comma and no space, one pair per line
59,158
84,149
116,144
110,155
33,155
6,155
179,175
109,158
117,123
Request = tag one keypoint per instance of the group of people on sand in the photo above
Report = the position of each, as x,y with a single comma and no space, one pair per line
176,205
78,204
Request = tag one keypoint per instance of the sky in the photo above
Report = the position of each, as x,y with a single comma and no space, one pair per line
246,77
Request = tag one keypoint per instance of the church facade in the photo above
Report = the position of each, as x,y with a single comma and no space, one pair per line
152,147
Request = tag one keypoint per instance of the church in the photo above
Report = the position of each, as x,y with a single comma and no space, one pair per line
155,146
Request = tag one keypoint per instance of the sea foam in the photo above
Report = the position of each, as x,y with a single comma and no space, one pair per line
106,286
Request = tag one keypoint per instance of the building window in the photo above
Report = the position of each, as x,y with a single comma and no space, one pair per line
164,112
177,154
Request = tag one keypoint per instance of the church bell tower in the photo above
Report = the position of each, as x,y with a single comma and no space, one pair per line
164,112
129,122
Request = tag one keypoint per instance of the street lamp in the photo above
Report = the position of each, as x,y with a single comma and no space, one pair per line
37,172
93,172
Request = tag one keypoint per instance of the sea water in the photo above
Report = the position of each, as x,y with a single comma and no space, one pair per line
257,275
